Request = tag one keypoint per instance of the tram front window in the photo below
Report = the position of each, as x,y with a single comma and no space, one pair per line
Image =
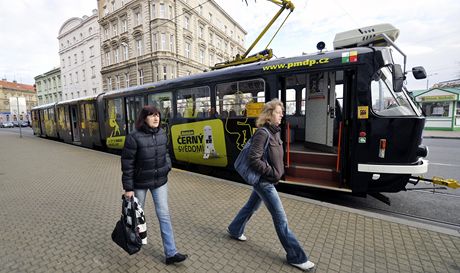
386,102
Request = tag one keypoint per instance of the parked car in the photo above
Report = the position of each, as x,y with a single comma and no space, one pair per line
15,123
24,123
6,124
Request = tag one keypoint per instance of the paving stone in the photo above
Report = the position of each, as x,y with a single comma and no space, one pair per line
65,206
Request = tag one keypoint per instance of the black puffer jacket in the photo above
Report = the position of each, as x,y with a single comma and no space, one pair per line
272,170
145,160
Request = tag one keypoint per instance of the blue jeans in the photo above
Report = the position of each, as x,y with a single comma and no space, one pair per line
266,192
160,199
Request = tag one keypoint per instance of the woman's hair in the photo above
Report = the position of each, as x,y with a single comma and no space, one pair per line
147,110
267,112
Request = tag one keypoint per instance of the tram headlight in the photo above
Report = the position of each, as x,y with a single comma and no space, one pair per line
422,151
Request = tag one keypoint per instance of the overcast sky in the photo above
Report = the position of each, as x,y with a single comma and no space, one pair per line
429,31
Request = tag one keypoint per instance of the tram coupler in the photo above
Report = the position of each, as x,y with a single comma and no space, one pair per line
436,180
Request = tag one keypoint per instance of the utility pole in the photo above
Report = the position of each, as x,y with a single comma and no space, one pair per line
427,79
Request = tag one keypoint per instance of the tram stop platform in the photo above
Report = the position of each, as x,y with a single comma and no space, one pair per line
60,203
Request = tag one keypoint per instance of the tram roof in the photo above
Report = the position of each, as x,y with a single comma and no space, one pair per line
244,70
43,106
87,98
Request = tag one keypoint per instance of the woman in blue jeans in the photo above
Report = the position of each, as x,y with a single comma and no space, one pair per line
145,164
265,191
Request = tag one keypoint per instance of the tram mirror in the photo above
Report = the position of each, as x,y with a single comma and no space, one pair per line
419,72
398,78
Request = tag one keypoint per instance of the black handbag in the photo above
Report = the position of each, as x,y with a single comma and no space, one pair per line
124,235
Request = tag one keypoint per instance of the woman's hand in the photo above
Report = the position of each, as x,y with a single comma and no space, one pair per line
129,194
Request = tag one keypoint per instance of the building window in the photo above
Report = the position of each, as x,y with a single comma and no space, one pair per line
116,55
76,77
165,72
107,58
202,56
83,74
211,38
138,18
126,79
93,72
90,31
141,76
186,22
200,32
125,51
139,47
91,51
117,81
109,83
163,41
124,25
75,58
162,11
171,42
115,30
171,14
153,10
155,42
211,59
68,59
187,50
70,78
106,33
63,63
94,90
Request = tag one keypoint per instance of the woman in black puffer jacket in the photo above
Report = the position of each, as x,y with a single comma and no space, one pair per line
145,164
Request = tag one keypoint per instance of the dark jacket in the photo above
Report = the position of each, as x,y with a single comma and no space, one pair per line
145,161
272,170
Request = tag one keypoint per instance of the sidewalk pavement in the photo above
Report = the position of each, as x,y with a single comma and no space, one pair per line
441,134
60,204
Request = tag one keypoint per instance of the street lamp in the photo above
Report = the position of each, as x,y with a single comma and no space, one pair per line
427,79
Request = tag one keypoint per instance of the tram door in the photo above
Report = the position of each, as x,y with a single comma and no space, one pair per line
133,106
319,108
74,122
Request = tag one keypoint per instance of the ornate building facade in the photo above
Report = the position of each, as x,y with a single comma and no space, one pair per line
79,52
145,41
16,100
48,87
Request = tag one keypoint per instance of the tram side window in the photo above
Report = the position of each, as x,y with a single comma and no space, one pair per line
116,121
386,102
82,113
61,115
90,112
162,101
234,97
290,101
194,102
51,114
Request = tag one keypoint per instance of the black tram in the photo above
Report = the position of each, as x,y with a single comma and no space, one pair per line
349,124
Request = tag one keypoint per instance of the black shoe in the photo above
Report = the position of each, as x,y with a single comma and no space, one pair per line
176,258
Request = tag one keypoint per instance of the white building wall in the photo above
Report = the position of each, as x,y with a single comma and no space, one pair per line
80,57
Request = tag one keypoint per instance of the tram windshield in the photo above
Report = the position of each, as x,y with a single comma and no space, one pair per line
387,102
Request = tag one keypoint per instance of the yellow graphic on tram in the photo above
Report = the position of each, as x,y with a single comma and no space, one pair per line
201,142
